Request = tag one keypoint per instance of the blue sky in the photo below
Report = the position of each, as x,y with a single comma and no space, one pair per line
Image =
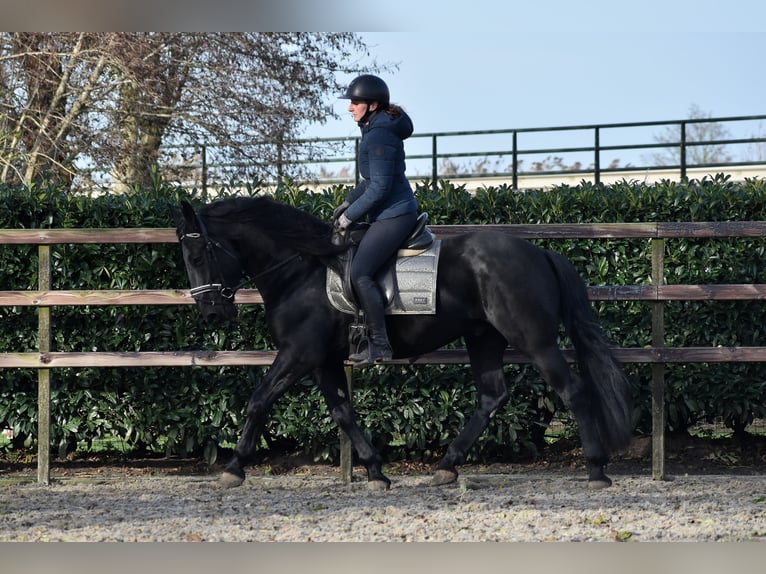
500,64
597,68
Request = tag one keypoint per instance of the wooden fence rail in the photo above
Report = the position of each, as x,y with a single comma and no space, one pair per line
657,292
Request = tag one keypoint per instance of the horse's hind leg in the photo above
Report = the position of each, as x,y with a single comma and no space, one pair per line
332,383
571,388
486,354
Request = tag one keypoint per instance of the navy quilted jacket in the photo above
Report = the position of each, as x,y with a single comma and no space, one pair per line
384,191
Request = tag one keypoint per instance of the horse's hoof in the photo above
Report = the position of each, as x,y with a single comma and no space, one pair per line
442,477
378,485
597,478
230,480
599,484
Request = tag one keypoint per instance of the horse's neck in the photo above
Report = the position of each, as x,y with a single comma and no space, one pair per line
281,272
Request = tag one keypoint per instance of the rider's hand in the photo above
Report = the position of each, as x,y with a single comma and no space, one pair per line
343,222
339,210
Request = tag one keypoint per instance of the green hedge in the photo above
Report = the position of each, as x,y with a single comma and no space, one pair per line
409,412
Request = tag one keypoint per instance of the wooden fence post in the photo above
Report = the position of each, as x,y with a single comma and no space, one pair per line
658,369
44,375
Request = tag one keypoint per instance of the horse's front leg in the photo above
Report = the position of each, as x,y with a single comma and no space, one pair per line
332,383
284,372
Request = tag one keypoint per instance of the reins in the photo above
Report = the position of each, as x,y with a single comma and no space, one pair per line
271,269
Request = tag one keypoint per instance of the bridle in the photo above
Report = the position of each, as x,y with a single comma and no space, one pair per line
211,247
221,288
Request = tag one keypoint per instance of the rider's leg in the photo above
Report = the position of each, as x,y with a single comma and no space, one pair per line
378,246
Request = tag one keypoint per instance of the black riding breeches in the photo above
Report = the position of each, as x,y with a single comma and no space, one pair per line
379,244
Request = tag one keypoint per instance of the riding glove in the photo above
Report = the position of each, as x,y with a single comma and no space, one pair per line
339,210
343,222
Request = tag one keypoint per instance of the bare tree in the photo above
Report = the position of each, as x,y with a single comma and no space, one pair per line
46,83
756,151
696,133
112,100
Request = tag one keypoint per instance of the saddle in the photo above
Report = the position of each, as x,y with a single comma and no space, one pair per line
408,281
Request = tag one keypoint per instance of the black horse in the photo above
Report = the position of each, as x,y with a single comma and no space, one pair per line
494,290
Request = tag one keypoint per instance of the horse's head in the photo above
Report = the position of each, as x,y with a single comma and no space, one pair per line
212,265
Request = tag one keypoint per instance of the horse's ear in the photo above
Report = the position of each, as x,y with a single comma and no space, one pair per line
175,214
186,213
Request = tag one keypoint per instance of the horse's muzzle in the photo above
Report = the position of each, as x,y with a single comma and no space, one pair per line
216,312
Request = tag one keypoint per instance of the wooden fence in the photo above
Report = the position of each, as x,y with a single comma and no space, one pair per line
657,293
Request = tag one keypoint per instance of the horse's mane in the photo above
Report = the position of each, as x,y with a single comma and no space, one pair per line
284,224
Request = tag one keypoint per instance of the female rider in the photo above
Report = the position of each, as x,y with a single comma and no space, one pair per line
383,196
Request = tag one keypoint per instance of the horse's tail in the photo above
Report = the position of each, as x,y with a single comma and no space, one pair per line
603,376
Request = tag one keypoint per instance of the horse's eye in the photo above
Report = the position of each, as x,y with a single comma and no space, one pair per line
198,261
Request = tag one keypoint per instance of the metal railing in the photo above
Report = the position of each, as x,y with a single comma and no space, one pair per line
700,143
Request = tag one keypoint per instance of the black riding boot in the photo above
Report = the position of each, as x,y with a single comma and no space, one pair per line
378,348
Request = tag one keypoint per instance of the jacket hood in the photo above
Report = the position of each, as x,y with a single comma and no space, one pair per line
401,126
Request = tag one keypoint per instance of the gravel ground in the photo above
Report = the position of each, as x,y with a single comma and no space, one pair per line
314,505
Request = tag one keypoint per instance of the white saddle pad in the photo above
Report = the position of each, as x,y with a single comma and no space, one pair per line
415,279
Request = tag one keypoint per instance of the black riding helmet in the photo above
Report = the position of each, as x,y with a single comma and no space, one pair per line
368,88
